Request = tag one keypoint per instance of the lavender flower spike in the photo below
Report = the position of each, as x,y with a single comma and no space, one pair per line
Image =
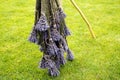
70,56
42,24
33,37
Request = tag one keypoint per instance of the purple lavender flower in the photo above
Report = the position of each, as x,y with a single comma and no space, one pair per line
52,48
61,13
66,31
60,56
42,24
53,72
55,35
70,56
50,65
42,63
33,37
64,44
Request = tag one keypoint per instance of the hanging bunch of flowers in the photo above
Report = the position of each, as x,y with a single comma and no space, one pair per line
50,32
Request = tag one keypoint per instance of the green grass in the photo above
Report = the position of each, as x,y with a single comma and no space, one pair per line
95,59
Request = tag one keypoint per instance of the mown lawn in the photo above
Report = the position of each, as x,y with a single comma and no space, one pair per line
95,59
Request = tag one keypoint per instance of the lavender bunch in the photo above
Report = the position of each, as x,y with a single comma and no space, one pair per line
50,65
33,36
55,35
42,24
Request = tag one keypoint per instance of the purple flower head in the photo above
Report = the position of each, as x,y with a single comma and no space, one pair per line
64,44
52,49
60,56
53,71
66,31
42,24
33,37
46,62
61,13
70,56
55,35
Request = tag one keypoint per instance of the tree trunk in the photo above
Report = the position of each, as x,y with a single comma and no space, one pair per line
50,32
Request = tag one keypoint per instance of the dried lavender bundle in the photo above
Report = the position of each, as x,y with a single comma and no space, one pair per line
50,32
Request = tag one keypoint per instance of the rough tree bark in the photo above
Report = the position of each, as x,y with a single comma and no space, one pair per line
50,32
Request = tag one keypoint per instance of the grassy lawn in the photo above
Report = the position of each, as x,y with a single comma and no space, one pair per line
95,59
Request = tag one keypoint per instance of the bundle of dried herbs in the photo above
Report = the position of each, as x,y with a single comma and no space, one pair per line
50,32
